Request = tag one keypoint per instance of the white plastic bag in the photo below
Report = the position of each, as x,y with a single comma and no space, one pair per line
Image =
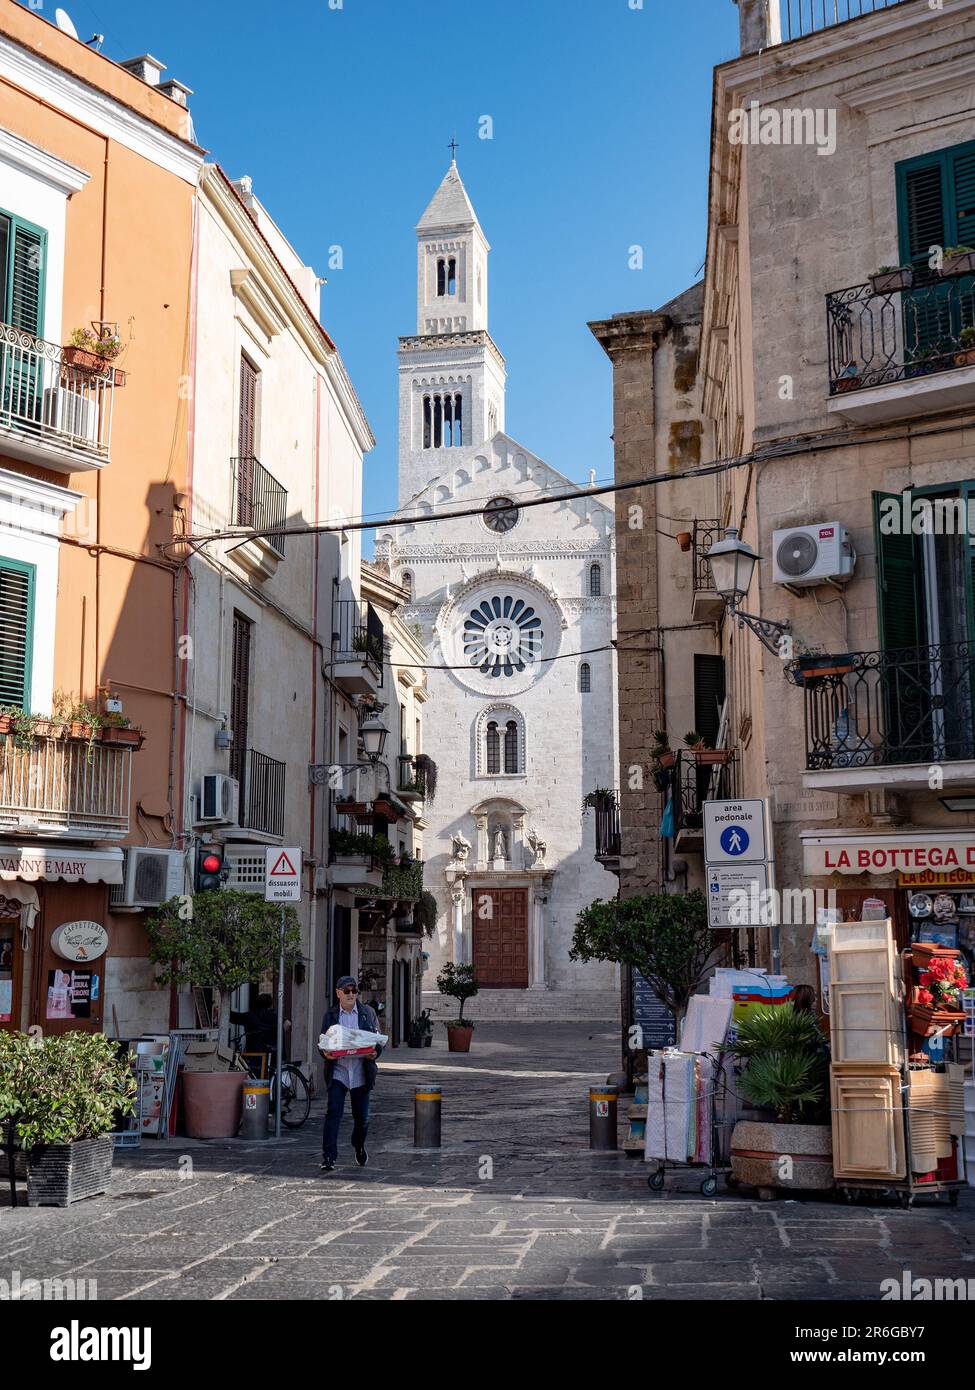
345,1040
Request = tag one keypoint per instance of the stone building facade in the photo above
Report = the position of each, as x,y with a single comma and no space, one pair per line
514,605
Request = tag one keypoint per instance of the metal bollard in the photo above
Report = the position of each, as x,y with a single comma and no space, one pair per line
602,1118
426,1117
257,1101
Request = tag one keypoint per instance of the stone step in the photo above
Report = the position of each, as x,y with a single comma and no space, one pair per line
528,1004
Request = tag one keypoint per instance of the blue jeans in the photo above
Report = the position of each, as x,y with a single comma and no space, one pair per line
333,1117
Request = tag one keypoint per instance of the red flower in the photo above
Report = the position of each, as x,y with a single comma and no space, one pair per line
926,977
925,996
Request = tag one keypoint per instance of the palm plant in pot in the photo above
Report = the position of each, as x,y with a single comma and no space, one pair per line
219,939
458,982
62,1095
786,1073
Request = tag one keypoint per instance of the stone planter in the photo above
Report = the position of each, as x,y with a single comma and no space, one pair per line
758,1149
961,263
59,1174
888,281
213,1102
459,1039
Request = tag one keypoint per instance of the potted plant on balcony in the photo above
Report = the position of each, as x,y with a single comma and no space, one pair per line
958,260
426,773
849,378
966,357
458,982
661,754
702,753
116,728
935,1002
63,1094
224,940
786,1073
890,278
425,913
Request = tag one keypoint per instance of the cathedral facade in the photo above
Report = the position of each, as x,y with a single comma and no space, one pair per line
514,603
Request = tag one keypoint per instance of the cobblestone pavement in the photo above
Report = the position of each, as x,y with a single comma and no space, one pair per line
514,1206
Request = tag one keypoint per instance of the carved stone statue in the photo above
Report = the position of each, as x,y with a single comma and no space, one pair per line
462,847
538,847
500,850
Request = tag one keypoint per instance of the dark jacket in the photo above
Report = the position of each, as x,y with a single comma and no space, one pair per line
367,1020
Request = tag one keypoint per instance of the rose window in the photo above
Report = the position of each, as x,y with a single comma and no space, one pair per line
502,635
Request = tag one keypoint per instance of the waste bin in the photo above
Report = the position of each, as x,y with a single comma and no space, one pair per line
257,1102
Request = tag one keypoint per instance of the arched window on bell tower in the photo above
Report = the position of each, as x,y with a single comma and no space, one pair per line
452,276
441,277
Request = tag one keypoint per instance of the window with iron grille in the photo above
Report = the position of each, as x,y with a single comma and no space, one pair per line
16,632
595,581
585,678
240,681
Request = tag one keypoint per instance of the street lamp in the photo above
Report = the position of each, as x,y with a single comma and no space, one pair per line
732,563
374,734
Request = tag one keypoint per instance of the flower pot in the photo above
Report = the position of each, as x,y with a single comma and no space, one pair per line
82,360
130,738
666,759
59,1174
213,1103
848,383
411,1043
6,723
758,1148
961,264
925,1019
45,728
965,358
811,667
711,755
428,1040
888,281
459,1039
684,539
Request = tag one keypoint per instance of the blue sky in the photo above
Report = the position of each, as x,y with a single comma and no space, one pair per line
342,118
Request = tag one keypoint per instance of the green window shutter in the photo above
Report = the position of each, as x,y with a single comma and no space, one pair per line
900,587
24,297
963,196
709,693
16,632
921,210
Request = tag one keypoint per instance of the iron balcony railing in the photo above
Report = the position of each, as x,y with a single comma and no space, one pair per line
357,634
874,339
410,778
905,705
75,786
703,536
608,836
800,17
695,782
259,500
46,397
262,794
401,883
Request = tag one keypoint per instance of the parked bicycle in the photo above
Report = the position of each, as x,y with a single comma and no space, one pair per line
295,1085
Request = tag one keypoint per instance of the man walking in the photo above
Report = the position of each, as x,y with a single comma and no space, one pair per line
354,1076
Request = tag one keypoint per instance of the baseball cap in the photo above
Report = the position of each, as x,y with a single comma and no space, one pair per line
343,981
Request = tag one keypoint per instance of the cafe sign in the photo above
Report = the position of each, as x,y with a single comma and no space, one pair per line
908,854
80,941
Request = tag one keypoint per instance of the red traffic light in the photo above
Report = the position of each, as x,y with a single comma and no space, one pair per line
211,864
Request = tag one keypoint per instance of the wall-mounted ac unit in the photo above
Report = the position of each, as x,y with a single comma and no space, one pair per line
150,877
219,799
805,555
71,412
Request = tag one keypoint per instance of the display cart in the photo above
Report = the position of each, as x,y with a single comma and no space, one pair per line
709,1184
904,1190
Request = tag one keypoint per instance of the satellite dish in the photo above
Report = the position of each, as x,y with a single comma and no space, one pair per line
64,22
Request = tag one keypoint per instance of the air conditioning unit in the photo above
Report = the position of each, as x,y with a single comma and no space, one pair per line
806,555
219,799
71,412
150,877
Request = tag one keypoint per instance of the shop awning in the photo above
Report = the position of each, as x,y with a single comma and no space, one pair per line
70,865
909,852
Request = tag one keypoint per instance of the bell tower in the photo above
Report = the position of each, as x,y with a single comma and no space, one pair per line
451,373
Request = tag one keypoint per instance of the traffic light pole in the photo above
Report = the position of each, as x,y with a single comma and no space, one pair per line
280,1038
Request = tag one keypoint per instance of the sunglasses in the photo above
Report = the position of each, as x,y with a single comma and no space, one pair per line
350,989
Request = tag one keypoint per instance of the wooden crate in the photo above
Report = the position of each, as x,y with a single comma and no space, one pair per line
868,1122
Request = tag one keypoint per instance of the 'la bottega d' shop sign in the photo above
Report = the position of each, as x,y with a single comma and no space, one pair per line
889,854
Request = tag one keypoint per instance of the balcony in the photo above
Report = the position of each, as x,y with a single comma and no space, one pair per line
900,353
400,883
357,647
262,503
884,721
797,18
706,606
64,787
695,781
262,789
608,839
411,778
52,412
